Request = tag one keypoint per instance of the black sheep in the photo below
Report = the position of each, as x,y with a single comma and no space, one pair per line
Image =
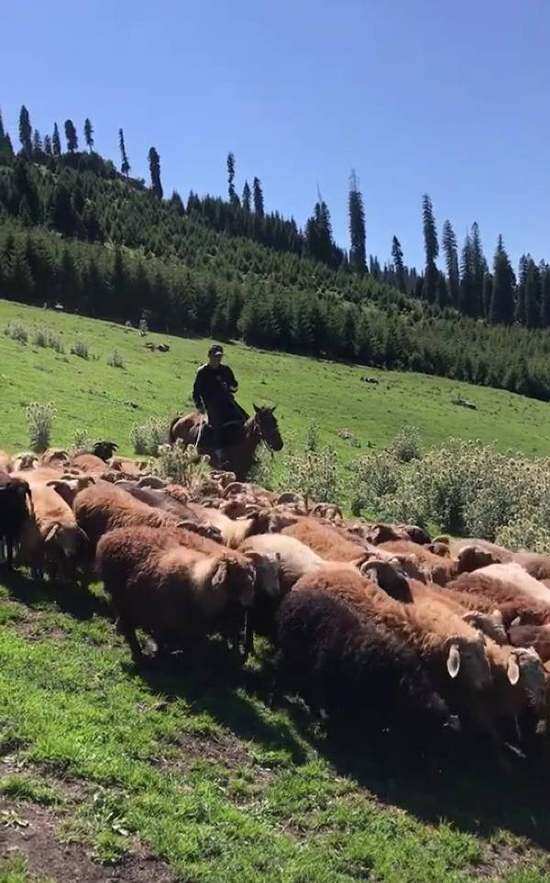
13,511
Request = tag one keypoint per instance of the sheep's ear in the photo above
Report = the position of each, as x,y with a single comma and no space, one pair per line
453,660
513,669
220,574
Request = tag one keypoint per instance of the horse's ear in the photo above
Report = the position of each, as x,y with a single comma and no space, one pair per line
256,407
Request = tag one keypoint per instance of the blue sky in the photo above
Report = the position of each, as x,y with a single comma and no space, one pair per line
417,95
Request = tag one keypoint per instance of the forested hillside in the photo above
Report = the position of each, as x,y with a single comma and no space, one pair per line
76,231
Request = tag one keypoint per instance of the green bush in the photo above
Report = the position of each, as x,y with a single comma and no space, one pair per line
40,417
182,464
147,437
17,331
115,360
80,349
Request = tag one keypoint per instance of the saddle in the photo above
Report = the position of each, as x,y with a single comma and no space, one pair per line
230,434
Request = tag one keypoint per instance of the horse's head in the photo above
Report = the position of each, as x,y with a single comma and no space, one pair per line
266,423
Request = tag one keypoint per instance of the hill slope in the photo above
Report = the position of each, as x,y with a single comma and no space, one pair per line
107,401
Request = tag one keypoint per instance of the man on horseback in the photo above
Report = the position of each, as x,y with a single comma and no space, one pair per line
214,394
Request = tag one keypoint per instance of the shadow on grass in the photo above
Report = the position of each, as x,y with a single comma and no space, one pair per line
39,594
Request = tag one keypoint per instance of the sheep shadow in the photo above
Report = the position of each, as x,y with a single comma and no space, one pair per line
39,594
446,776
229,693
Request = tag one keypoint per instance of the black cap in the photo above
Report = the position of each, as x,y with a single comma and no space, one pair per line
215,350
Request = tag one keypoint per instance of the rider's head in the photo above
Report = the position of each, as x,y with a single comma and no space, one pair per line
215,355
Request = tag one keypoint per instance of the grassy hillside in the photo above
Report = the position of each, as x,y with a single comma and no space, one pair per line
107,401
189,773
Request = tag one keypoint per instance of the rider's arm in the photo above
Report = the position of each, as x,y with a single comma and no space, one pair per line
232,380
197,392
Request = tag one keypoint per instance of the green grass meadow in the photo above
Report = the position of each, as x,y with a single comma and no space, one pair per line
194,766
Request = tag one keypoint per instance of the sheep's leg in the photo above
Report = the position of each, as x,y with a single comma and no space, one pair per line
128,632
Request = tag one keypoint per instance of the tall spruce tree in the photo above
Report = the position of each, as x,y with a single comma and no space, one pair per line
318,232
398,265
520,292
532,296
233,198
47,145
56,141
545,296
124,164
71,136
357,233
25,132
502,300
6,149
258,198
467,295
431,247
246,197
450,250
479,269
154,168
37,147
88,134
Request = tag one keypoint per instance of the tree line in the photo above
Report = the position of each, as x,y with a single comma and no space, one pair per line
77,230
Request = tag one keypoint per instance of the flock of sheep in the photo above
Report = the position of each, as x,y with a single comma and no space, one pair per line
380,616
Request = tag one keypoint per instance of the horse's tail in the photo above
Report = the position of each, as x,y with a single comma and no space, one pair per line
171,436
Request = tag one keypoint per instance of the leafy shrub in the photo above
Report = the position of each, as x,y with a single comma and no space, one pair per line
405,446
147,437
55,342
46,338
115,360
314,473
40,417
182,464
82,442
262,471
40,337
17,331
80,348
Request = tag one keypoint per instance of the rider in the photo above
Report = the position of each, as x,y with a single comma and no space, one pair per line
213,392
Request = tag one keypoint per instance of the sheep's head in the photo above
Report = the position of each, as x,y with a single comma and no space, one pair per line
471,558
525,667
68,488
237,575
468,655
389,577
267,566
491,624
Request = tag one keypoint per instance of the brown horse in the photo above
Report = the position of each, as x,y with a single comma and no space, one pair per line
240,455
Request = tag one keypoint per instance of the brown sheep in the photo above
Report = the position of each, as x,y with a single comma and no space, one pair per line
130,468
166,503
89,463
15,509
55,457
536,636
442,640
102,508
234,532
511,602
173,593
326,540
51,540
440,570
511,572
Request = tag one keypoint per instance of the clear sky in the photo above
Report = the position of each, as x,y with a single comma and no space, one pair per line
418,96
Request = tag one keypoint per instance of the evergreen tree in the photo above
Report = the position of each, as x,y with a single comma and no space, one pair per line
450,250
37,144
71,136
520,294
6,149
176,203
124,165
479,270
88,134
358,253
431,275
502,301
545,296
56,141
47,145
25,132
532,296
233,198
246,198
258,198
2,131
154,168
467,278
487,294
398,265
319,243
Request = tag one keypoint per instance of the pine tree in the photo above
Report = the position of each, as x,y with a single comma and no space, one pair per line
398,265
124,165
532,296
246,198
233,198
520,294
431,247
47,145
154,168
88,134
450,250
37,143
356,211
2,131
56,141
467,280
319,243
25,132
6,149
487,294
502,301
258,198
545,296
71,136
479,269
